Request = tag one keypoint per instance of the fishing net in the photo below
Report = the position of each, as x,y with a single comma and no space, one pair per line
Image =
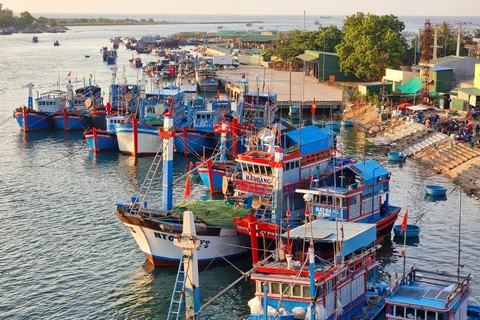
213,212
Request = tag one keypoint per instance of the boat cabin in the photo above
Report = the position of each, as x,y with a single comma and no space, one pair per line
158,102
350,191
429,295
259,107
51,101
205,120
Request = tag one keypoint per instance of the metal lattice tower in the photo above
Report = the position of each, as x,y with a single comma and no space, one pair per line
425,65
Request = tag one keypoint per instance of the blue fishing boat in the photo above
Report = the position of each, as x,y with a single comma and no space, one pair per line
347,123
56,43
310,283
294,114
105,140
199,138
436,190
333,125
76,114
136,62
39,117
411,231
396,156
35,39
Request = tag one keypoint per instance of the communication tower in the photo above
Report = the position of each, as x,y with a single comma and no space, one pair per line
425,65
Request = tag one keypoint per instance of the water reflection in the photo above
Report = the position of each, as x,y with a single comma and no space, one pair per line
410,241
432,198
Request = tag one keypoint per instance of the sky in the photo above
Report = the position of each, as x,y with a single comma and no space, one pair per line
252,7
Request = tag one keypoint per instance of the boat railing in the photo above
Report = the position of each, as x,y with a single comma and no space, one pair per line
460,289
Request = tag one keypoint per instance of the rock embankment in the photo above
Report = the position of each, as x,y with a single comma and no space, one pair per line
458,161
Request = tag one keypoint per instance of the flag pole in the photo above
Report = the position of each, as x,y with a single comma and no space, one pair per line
404,230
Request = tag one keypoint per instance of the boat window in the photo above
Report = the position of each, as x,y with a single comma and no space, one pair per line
287,166
260,285
431,315
297,164
399,311
306,291
297,290
338,202
286,289
329,286
316,198
420,314
354,200
410,313
274,288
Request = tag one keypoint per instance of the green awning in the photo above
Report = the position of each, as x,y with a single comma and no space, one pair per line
412,86
307,57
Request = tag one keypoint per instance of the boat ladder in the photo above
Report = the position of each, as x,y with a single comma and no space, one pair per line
176,302
141,196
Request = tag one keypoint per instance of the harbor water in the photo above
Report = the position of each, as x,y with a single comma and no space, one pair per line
63,253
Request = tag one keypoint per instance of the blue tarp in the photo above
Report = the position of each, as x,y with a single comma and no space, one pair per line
310,139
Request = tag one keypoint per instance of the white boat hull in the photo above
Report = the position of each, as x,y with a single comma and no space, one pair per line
148,141
159,249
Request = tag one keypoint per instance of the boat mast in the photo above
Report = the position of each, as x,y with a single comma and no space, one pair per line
189,243
167,168
30,95
459,233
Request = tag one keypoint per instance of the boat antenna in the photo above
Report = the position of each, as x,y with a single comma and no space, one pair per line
459,266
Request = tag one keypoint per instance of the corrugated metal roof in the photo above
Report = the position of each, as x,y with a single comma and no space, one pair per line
368,168
257,38
444,59
470,91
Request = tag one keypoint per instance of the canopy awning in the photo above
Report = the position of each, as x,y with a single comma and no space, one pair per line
412,86
307,57
417,108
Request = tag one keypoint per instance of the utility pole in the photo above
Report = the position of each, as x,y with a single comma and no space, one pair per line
435,38
459,30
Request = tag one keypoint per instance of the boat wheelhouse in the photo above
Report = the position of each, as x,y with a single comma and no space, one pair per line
353,191
259,108
429,295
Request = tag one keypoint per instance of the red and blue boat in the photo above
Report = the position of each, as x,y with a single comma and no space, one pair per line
40,116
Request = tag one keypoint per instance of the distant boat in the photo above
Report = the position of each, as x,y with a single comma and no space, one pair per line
396,156
56,43
325,17
220,27
412,230
260,27
35,39
316,22
249,24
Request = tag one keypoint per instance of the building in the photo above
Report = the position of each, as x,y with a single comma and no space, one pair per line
325,66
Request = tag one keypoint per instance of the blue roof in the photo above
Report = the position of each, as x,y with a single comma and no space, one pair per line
310,139
369,168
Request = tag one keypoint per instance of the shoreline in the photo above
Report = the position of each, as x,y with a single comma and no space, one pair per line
140,23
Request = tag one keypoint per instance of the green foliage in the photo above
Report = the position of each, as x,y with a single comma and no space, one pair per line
371,44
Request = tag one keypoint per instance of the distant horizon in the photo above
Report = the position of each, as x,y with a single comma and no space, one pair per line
427,8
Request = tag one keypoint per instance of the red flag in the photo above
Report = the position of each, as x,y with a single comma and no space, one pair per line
314,106
404,221
218,95
187,188
69,74
172,70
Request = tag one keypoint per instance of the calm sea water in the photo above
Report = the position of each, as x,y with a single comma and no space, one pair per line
64,255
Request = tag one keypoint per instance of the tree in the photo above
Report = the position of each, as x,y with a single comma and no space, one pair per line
371,44
26,18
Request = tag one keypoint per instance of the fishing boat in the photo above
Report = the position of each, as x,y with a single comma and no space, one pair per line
76,114
35,39
39,117
105,140
294,114
136,62
56,43
333,125
411,231
431,293
311,283
347,123
436,190
155,229
139,137
396,156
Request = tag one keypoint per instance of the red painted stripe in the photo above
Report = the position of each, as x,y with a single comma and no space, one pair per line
135,136
24,111
65,119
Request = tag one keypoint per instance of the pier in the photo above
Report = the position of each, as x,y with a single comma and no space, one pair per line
292,88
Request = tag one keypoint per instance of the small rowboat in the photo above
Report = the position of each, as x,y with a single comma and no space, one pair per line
436,190
347,123
333,125
412,230
396,156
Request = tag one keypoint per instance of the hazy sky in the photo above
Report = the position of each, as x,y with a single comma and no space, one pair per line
253,7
